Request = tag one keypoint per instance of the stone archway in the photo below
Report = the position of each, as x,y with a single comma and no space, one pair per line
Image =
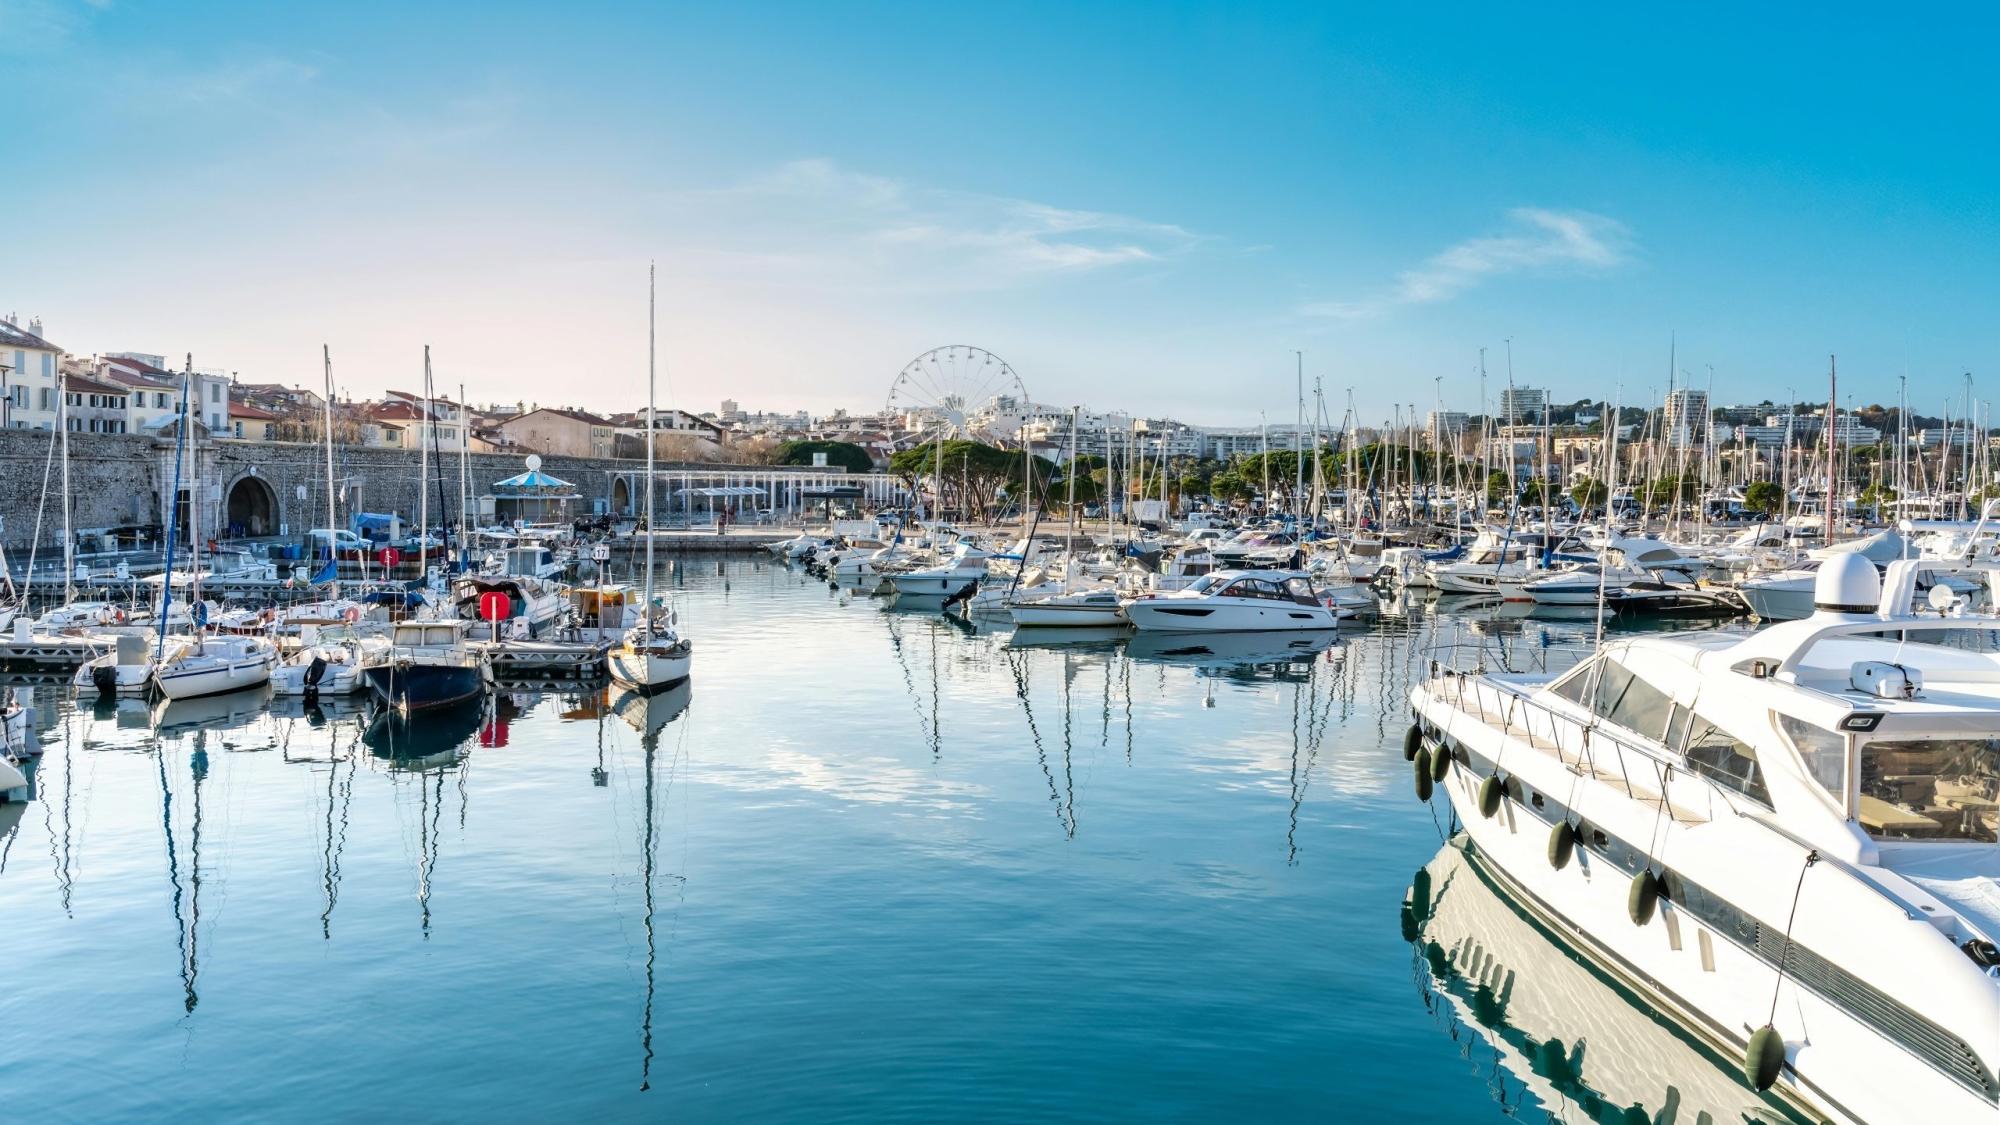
252,508
621,497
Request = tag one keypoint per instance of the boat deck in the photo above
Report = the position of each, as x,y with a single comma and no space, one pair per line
1511,713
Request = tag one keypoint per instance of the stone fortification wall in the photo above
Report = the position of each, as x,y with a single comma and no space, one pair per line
124,480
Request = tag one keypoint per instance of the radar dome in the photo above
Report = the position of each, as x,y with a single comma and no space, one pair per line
1847,583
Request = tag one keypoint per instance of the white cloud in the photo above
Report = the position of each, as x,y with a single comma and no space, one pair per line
816,213
1536,241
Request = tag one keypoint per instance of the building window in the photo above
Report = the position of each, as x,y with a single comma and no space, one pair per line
215,392
48,364
268,428
48,398
239,433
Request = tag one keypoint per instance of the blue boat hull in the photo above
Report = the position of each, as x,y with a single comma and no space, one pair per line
414,687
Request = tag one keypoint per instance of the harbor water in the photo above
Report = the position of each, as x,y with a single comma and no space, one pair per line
870,865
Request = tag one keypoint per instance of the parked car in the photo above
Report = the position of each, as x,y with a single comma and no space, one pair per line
342,540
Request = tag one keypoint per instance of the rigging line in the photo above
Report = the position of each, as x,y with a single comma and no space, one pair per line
1785,955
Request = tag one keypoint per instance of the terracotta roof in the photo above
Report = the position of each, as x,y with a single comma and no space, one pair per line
138,366
84,384
126,378
14,336
573,415
397,411
438,399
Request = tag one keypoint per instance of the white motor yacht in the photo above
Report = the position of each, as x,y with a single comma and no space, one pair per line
1627,562
1787,840
127,669
1785,595
330,661
964,566
1236,601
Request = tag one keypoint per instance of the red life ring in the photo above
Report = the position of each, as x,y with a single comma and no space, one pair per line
118,616
352,614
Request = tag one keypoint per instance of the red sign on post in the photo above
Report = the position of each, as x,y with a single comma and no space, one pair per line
494,606
389,556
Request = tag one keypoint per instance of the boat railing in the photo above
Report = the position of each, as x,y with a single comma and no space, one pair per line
1585,745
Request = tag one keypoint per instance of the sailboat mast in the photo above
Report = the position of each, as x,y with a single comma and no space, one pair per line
424,478
1832,405
652,315
173,509
69,538
464,473
326,420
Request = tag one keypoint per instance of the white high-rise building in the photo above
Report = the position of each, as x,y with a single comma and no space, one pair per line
1446,427
1687,418
1522,405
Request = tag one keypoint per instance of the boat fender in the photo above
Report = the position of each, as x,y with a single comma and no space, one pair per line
1562,844
1643,897
1435,958
1413,740
1763,1058
316,671
1490,792
1420,895
105,679
1984,954
1423,775
1440,763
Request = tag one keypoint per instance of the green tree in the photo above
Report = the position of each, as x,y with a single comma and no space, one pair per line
1589,493
1499,490
1764,496
973,472
843,453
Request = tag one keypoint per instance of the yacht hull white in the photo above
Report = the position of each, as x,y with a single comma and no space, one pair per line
647,666
216,668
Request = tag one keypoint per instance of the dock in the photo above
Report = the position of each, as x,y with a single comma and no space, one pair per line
542,660
48,651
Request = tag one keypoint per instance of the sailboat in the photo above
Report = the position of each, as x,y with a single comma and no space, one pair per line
429,664
652,655
1097,606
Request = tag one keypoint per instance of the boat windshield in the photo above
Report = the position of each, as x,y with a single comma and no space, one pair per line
1203,584
1931,788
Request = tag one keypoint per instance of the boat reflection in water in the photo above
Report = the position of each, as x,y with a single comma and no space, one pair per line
1253,656
648,711
213,713
426,740
1075,636
1563,1032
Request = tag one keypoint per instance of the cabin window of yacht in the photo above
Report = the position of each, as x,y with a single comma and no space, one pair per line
1725,759
1936,788
1253,588
1631,702
1824,753
1201,585
1300,591
1575,687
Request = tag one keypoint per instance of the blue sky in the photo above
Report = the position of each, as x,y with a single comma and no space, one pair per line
1144,206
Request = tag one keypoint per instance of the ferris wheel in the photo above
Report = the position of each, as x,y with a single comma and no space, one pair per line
960,392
